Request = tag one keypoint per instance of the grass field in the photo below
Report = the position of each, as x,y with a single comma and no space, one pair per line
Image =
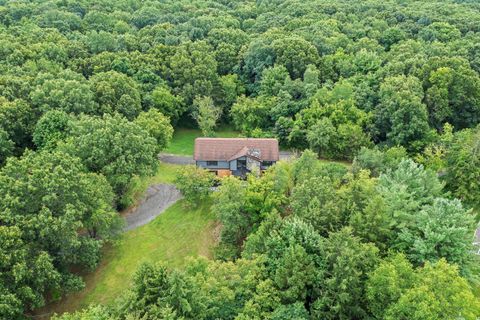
171,237
183,139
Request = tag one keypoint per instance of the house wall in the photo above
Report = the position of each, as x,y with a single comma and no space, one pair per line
233,164
221,165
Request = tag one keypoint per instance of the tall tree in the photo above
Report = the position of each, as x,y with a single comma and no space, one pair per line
116,92
401,117
206,114
113,147
157,125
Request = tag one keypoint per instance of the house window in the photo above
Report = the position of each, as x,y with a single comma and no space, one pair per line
212,163
267,163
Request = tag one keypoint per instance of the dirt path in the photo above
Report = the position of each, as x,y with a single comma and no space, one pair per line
155,201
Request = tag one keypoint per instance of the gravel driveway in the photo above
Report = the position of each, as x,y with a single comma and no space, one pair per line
176,159
156,200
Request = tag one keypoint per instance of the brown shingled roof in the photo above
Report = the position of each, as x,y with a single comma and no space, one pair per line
223,149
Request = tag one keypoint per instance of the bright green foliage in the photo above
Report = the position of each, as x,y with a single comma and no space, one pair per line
51,128
373,224
115,92
91,313
206,114
295,273
242,207
113,147
388,282
412,182
291,311
157,291
231,88
194,183
157,125
264,300
434,155
71,94
294,257
436,291
334,130
442,229
251,113
304,166
228,288
229,207
168,104
333,76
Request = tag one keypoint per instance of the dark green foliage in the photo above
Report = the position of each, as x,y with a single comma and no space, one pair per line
401,117
115,92
463,167
6,146
47,199
348,261
17,119
308,240
316,201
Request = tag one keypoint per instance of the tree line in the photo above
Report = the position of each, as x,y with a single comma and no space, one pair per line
90,92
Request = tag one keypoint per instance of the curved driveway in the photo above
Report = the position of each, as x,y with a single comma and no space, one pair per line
155,201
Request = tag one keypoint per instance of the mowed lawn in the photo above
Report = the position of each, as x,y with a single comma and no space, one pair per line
183,139
172,237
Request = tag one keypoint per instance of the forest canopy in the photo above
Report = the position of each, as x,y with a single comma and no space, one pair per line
91,92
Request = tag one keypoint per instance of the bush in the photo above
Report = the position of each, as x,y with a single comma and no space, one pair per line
195,184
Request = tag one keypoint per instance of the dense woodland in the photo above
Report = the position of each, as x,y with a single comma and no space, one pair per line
91,91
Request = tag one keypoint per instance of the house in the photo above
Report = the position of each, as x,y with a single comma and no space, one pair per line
235,156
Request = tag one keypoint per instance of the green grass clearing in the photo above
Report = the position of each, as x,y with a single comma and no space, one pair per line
183,139
171,237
